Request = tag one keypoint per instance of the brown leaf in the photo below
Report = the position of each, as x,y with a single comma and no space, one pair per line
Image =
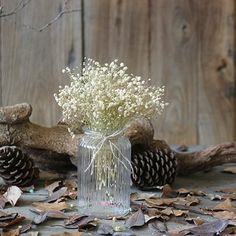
70,184
225,205
196,221
224,215
211,228
45,206
136,219
157,226
168,192
232,196
80,222
12,195
149,218
57,194
52,187
49,214
228,190
141,196
105,229
68,234
154,202
10,219
14,232
230,170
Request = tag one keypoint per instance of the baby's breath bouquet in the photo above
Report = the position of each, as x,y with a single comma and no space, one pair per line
104,98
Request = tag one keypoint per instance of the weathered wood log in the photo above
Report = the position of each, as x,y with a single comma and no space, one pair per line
15,128
48,146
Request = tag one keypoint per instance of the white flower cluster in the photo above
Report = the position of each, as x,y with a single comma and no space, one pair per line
105,97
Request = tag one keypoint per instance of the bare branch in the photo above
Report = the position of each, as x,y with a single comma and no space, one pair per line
18,8
59,15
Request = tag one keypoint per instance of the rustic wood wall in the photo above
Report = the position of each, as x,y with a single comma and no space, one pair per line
186,45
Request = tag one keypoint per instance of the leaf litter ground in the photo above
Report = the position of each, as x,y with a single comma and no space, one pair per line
202,204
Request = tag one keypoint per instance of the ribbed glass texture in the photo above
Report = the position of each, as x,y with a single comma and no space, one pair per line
104,189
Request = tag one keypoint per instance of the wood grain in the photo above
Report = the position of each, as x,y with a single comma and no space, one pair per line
117,29
32,61
216,58
186,45
173,54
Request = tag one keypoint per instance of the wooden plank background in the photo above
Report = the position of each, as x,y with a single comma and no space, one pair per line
186,45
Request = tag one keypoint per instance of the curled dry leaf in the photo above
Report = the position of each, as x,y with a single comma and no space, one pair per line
80,222
12,195
44,206
53,187
141,196
157,226
68,234
10,219
105,229
49,214
57,195
211,228
224,215
225,205
228,190
213,197
136,219
230,170
196,221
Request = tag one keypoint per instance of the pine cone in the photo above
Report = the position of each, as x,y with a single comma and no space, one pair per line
155,167
16,168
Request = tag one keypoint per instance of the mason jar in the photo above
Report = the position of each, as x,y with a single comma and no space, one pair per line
104,170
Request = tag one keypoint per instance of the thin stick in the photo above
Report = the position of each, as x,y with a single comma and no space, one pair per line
18,8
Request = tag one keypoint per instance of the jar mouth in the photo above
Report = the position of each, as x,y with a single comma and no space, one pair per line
89,131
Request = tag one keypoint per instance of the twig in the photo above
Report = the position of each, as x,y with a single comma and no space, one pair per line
60,14
19,7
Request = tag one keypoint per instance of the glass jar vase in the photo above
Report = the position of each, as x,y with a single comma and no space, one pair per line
104,169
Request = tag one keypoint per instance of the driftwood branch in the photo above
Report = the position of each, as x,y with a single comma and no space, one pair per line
220,154
46,145
15,128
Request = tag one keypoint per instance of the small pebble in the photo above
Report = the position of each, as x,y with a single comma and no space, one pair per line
119,228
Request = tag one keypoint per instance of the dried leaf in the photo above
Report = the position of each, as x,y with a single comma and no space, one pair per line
232,196
52,187
44,206
10,219
14,232
149,218
136,219
168,192
12,195
154,202
228,190
123,234
213,197
57,194
141,196
224,215
183,191
105,229
70,184
80,222
49,214
225,205
3,202
196,221
157,226
211,228
230,170
68,234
